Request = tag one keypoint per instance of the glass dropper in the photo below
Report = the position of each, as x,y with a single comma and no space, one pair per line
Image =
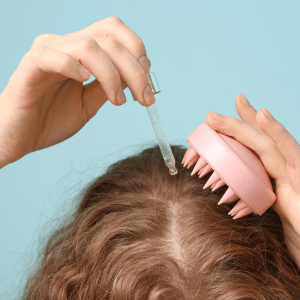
158,128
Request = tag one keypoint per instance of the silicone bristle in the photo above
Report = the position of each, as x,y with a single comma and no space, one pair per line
213,185
241,204
243,212
199,165
200,171
212,179
191,156
218,185
233,199
228,195
186,154
205,171
192,162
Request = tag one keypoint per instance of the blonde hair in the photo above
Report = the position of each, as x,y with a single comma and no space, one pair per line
139,233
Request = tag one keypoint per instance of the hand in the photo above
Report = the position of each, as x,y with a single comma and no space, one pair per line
45,101
280,154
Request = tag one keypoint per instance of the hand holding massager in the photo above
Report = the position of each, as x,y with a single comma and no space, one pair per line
233,164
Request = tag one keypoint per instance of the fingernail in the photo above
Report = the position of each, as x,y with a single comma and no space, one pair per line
121,96
217,116
148,96
269,116
245,100
144,63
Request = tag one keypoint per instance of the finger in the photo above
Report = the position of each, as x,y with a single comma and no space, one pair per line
87,50
41,60
116,28
130,70
246,111
126,67
257,141
284,141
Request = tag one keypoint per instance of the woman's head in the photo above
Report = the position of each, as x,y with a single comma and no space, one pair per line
139,233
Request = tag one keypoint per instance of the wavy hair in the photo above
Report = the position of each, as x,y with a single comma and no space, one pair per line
139,233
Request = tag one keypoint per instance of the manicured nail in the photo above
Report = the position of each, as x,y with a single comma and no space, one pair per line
148,96
269,116
245,100
121,96
217,116
144,63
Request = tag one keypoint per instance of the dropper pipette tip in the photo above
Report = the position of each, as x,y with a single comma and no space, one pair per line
173,170
158,128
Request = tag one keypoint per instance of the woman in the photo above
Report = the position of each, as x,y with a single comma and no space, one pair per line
139,233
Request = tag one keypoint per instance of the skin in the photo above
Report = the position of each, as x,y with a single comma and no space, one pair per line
280,154
45,102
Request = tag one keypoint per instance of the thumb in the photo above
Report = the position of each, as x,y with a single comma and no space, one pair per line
94,97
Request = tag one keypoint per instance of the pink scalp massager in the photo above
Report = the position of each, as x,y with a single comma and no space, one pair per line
233,164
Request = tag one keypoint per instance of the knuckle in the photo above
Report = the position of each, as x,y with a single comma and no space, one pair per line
114,20
87,43
139,44
282,130
65,63
34,56
232,125
36,53
140,73
39,40
111,43
260,113
270,145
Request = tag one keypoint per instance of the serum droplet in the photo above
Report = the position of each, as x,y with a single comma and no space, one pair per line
173,171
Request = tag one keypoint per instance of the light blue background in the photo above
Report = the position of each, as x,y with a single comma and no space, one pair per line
204,53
